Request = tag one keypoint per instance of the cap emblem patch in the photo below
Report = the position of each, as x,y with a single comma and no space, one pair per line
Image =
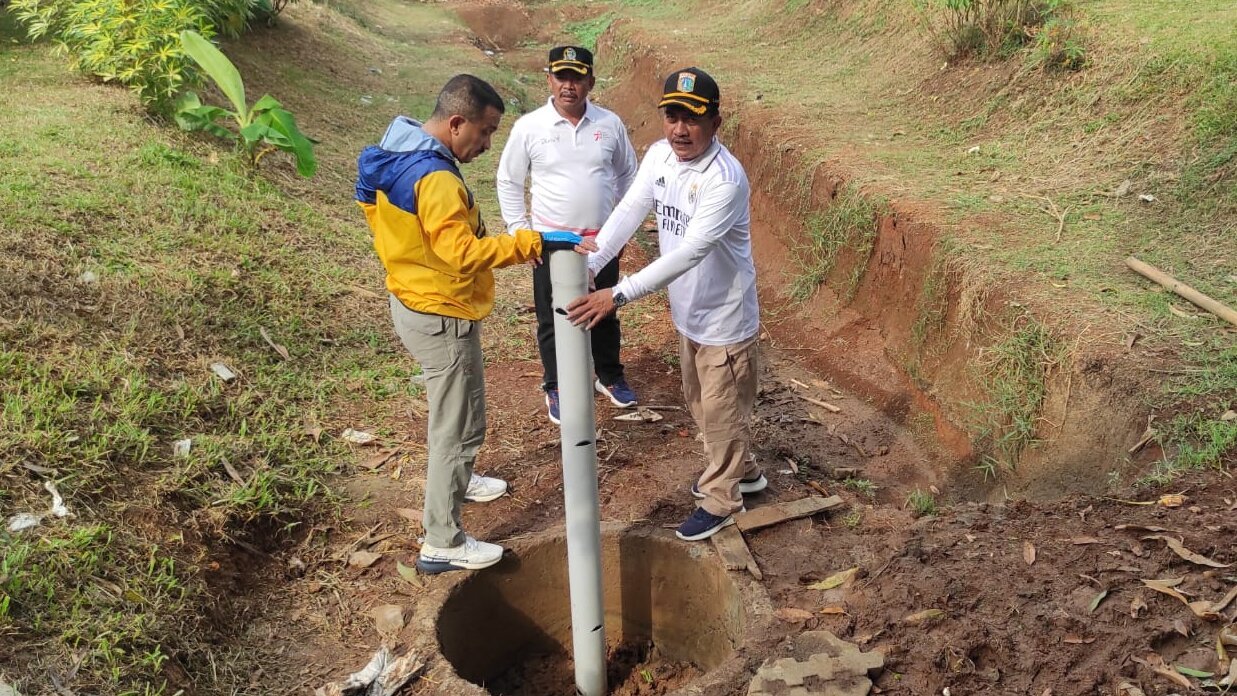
569,54
687,82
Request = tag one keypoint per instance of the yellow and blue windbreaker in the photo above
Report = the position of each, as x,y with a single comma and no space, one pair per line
427,227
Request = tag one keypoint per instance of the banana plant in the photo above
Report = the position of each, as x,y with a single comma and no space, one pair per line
260,129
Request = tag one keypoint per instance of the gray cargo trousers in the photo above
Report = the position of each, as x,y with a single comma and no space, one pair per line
449,351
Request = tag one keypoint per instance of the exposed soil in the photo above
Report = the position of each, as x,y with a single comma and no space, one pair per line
632,670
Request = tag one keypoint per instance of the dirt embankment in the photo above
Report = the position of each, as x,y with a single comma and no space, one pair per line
915,328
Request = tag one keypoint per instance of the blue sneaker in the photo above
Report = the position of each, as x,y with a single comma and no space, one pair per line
746,486
620,393
702,525
551,404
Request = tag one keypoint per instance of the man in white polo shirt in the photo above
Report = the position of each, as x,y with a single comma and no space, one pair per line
700,195
582,163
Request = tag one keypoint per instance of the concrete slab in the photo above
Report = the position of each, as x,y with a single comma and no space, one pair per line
821,664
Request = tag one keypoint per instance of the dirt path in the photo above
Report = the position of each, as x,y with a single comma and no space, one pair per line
1032,598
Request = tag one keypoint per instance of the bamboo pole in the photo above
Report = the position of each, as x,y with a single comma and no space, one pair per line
1168,282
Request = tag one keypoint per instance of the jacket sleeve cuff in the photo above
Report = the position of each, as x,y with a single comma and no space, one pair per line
628,289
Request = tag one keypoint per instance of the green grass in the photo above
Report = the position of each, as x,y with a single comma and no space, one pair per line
849,224
1014,373
1198,438
1209,180
96,382
862,486
1197,441
933,302
922,503
586,32
190,259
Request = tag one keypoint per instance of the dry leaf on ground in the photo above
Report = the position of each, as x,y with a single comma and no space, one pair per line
923,617
1231,679
1179,549
835,580
1202,610
1137,607
378,460
1140,527
1219,605
1096,601
409,574
1028,552
1171,500
793,614
388,618
283,352
363,559
1072,639
1228,636
1178,679
413,515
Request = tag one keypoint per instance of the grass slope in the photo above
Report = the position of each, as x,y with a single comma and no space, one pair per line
134,258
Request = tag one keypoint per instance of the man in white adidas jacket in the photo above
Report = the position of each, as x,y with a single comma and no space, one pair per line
700,195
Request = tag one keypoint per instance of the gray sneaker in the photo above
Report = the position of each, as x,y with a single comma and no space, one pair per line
483,489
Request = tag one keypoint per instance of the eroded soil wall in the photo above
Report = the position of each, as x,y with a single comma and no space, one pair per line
908,324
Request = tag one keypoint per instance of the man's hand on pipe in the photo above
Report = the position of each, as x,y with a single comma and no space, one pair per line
592,308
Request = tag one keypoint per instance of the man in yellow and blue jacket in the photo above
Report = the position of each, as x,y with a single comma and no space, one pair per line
429,234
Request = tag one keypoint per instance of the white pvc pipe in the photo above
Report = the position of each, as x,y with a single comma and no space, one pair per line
569,280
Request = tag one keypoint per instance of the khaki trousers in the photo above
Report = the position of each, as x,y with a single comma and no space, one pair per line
449,351
719,385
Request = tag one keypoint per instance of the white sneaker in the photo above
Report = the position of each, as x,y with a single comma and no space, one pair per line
470,555
483,489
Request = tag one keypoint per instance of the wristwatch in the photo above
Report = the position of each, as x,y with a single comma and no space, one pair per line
619,299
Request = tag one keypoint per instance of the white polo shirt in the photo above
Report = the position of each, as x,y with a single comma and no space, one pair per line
579,172
704,228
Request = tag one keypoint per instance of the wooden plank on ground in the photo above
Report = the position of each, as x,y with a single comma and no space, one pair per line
734,552
769,515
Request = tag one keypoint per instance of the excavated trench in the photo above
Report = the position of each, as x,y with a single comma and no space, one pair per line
897,322
902,324
674,616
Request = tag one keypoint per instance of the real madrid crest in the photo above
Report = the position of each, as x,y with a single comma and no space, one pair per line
691,195
687,82
569,54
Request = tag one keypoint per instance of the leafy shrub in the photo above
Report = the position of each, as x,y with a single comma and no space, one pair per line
987,28
229,17
135,44
1057,45
260,129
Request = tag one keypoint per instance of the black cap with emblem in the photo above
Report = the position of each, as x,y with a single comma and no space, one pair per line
575,58
692,89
